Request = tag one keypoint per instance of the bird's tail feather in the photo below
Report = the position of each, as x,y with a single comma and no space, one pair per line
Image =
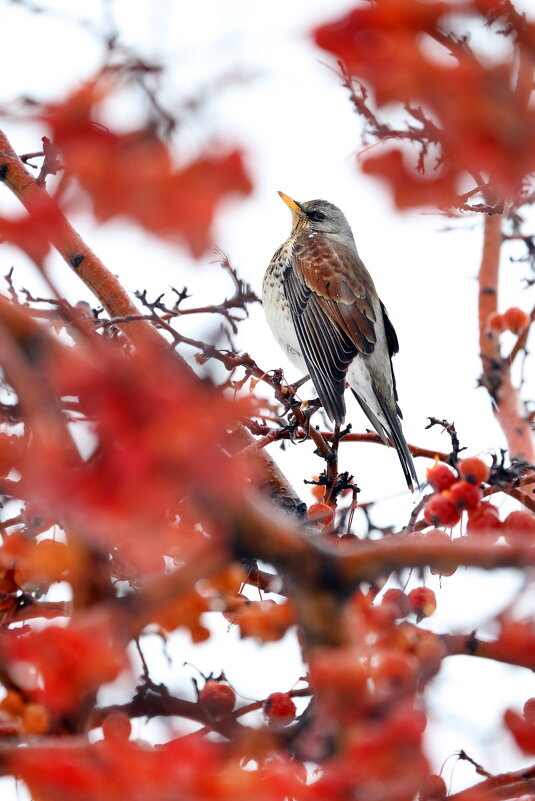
391,431
374,420
398,440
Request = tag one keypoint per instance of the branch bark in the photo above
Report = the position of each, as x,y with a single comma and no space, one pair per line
507,403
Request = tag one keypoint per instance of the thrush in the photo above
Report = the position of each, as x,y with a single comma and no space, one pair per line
324,311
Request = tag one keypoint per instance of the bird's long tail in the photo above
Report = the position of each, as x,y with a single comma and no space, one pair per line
390,429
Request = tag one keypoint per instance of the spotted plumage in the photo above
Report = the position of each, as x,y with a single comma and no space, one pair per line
324,311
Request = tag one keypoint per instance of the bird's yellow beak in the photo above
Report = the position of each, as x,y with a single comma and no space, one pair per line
292,204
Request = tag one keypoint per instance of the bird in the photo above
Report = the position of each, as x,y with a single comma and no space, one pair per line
324,311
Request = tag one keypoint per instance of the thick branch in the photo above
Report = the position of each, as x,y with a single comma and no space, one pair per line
521,783
470,645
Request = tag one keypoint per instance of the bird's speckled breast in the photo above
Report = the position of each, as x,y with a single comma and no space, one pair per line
276,305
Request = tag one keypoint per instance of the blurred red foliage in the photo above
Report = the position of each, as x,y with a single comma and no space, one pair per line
60,666
135,174
154,434
474,112
116,770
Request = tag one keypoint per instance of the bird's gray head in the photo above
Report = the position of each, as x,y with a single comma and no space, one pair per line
320,216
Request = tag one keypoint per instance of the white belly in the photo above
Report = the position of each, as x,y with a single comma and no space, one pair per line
280,321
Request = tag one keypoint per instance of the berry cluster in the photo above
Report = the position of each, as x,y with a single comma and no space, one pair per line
514,320
457,493
17,715
454,493
421,601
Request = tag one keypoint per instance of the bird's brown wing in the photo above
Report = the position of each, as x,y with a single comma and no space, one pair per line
330,295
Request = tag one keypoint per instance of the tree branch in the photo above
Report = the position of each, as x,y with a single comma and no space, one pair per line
71,247
508,407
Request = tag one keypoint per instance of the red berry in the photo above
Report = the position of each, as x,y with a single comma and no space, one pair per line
116,726
516,319
440,510
474,470
440,476
217,699
396,600
496,322
321,514
519,525
279,708
434,789
529,710
422,600
484,521
465,495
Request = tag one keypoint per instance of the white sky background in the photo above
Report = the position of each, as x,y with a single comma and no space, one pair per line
296,124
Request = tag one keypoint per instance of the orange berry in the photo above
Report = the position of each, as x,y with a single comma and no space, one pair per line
12,703
35,719
317,490
516,319
440,476
474,470
496,322
321,514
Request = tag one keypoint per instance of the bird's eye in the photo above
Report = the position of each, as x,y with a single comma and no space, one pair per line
318,216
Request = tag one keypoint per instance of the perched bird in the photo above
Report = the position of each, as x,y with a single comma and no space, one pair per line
325,313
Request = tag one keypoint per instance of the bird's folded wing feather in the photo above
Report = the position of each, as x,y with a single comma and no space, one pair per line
330,296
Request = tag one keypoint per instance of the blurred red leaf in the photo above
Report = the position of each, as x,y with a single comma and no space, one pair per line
120,770
33,235
408,187
517,641
156,435
70,662
522,730
133,174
